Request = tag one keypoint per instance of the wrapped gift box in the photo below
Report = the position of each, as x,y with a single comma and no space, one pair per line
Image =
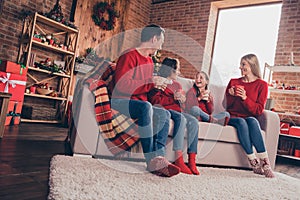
14,68
14,84
295,130
13,112
284,127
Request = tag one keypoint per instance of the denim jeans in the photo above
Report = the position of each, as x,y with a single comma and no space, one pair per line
249,133
197,112
153,138
184,121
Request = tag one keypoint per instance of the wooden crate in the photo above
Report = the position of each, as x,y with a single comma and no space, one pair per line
38,112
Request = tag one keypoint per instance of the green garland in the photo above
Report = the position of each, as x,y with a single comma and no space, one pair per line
98,15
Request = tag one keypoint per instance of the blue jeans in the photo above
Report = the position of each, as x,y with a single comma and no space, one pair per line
153,139
249,133
184,121
197,112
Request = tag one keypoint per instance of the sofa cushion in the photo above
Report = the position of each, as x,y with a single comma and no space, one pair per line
186,83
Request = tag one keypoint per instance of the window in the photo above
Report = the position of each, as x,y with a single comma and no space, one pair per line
240,31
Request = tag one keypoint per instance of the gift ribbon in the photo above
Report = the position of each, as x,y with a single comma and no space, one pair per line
13,114
8,82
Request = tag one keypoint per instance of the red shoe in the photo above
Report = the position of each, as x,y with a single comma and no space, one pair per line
192,164
179,162
162,167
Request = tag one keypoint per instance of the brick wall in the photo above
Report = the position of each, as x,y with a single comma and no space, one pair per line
186,23
12,23
189,21
136,17
134,14
288,41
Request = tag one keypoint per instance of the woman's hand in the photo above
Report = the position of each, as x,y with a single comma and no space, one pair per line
231,91
240,92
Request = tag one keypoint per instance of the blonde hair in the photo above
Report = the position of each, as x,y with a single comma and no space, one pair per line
254,64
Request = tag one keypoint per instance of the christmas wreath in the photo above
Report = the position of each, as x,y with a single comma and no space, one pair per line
104,15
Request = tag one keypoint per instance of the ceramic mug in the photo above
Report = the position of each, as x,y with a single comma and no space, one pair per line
205,95
235,88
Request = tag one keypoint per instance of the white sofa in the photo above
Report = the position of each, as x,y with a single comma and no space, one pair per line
217,146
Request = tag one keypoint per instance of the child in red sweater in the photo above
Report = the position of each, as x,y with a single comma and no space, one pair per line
172,99
199,102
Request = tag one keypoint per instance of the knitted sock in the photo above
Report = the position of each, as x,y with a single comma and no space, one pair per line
254,162
162,167
192,164
179,162
265,164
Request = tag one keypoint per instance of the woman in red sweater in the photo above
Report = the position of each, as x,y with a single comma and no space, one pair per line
199,102
245,99
172,99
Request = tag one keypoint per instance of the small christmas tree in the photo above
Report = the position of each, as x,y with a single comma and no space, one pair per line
157,61
56,13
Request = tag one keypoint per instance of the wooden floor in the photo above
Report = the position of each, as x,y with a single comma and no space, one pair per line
25,153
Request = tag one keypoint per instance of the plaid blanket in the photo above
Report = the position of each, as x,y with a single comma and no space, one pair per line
118,131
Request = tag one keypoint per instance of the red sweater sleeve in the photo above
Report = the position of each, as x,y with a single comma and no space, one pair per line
191,100
256,99
229,100
166,98
133,75
209,105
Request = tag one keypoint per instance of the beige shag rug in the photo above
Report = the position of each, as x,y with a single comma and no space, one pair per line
87,178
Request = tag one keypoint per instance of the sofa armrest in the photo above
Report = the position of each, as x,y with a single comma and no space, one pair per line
270,123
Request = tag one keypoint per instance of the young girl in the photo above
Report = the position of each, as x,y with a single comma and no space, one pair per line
199,102
172,98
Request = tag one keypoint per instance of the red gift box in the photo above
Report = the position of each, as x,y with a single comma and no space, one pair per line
14,84
284,128
295,130
297,153
14,68
13,112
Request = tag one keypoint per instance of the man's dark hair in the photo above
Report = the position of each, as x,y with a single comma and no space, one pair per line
150,31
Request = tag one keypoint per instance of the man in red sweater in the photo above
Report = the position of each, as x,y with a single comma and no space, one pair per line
133,80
